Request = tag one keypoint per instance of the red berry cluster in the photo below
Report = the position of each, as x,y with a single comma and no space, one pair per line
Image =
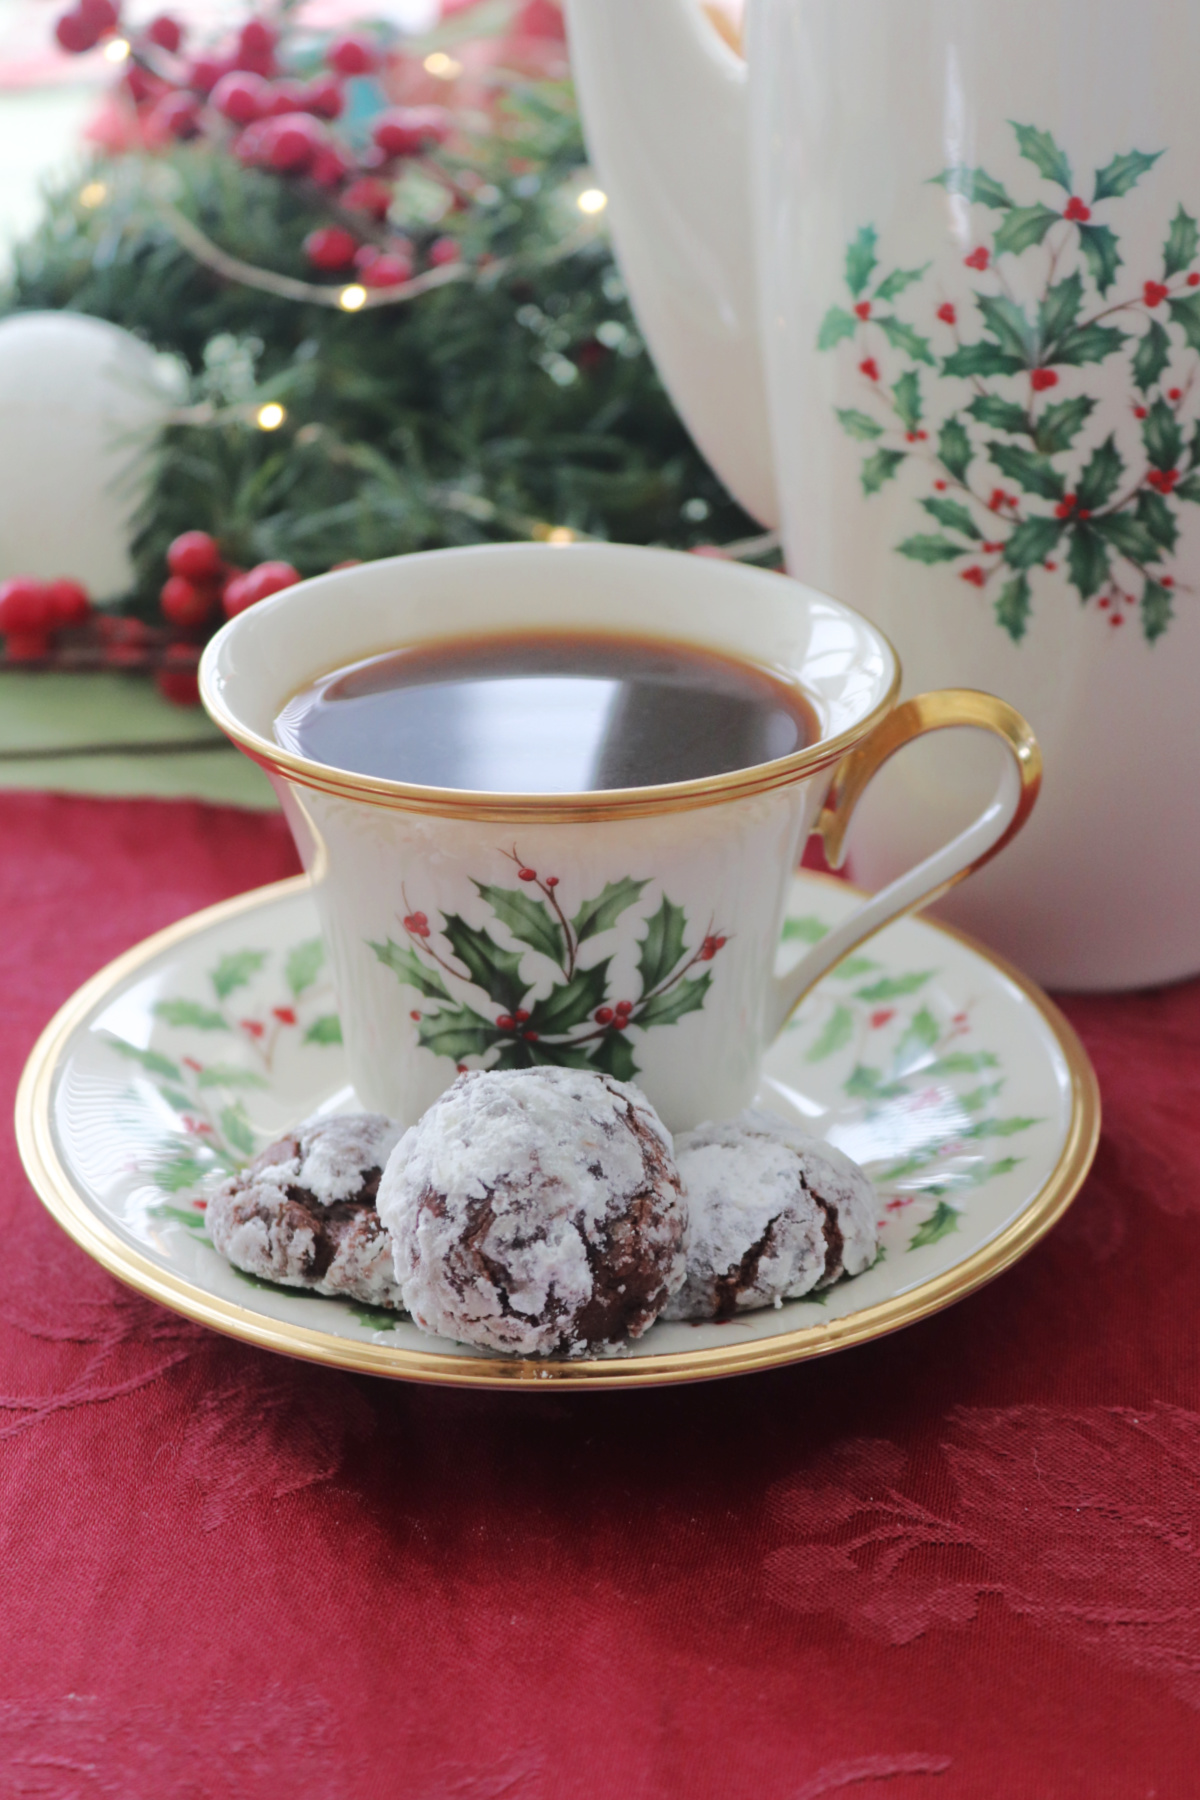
243,99
416,924
201,580
615,1017
32,611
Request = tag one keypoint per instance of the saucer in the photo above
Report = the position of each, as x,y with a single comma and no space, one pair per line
950,1077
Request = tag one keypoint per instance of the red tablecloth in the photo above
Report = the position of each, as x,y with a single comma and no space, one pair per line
962,1562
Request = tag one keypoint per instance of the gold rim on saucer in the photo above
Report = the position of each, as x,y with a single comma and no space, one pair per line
67,1205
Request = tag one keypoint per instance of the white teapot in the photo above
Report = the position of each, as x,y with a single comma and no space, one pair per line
924,281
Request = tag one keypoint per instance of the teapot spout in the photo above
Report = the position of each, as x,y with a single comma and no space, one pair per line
665,111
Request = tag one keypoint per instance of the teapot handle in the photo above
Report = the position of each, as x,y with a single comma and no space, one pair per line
970,850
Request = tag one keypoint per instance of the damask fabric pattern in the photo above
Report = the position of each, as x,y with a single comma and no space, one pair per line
958,1564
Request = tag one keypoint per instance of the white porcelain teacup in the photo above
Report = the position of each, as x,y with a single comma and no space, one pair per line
629,930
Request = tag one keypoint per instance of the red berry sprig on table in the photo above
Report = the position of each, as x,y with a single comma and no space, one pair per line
32,611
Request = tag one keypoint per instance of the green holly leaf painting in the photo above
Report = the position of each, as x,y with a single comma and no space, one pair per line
1039,148
152,1061
1059,310
962,1062
1032,542
984,359
940,1223
457,1032
955,449
860,260
1156,610
412,972
684,997
906,398
1023,227
894,987
1061,424
902,337
603,912
920,1035
1101,475
953,515
858,425
175,1173
228,1075
496,971
1152,356
1001,415
178,1215
834,1035
190,1012
1087,561
614,1056
984,1128
374,1318
515,1054
880,468
1186,314
836,325
236,1128
1181,246
1189,489
1009,325
931,548
234,971
558,1056
1153,512
570,1003
1099,246
975,185
1162,437
898,280
1013,607
1089,344
1036,474
1122,173
662,946
530,920
304,963
177,1100
1129,536
325,1030
809,929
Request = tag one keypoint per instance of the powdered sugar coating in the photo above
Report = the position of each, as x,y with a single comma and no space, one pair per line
536,1211
774,1214
303,1212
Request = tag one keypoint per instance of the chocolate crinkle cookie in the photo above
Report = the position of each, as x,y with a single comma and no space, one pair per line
774,1214
536,1211
303,1212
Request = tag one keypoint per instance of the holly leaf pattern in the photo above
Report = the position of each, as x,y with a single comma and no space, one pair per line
457,1032
836,325
614,1056
1008,324
940,1223
412,972
1152,356
1153,512
234,971
1039,148
685,996
1099,246
153,1061
1058,311
1061,424
860,260
1182,243
834,1035
982,359
1034,472
906,398
229,1075
858,425
1087,561
1157,609
1185,313
880,468
1162,436
1089,344
1122,173
570,1003
894,284
1032,542
495,970
1013,607
902,337
1099,479
602,913
975,185
662,946
325,1030
1024,227
1129,536
304,963
953,515
190,1012
1001,415
954,448
930,548
530,920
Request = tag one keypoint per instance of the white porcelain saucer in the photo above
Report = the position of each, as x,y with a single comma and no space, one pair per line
956,1083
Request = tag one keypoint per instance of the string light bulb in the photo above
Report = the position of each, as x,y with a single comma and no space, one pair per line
592,200
352,298
270,417
116,50
444,67
93,193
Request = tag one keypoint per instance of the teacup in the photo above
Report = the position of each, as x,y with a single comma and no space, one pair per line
632,931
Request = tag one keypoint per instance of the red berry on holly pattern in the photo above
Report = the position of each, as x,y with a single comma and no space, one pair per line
974,575
196,555
241,97
415,1015
620,1023
884,1015
521,1015
978,259
326,98
870,368
947,314
408,130
1065,507
1139,412
1117,619
68,601
75,34
330,247
505,1022
603,1015
166,32
941,486
863,309
370,195
176,115
1041,379
531,1037
354,54
552,881
461,1067
444,251
255,585
185,604
624,1007
1051,566
253,1027
284,1014
997,500
1154,293
708,949
420,920
1175,394
1194,279
1077,210
1167,581
526,874
26,646
24,605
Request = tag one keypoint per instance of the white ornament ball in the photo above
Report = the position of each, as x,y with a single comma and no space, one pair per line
81,405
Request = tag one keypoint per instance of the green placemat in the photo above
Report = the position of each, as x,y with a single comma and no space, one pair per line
115,734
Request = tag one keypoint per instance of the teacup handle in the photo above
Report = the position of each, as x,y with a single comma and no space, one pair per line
965,853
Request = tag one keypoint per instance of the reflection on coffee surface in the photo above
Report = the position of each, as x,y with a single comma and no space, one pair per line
546,713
